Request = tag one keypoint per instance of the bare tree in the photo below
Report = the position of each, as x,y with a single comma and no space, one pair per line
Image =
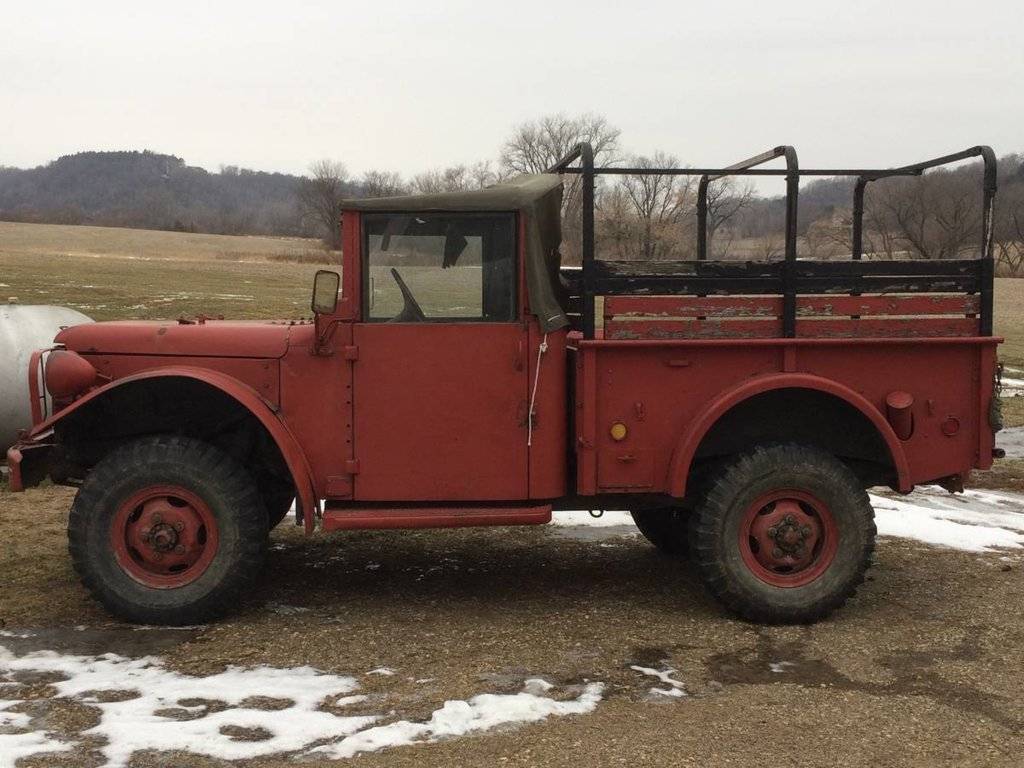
383,184
934,217
659,205
537,145
320,195
726,200
482,175
770,246
1009,230
454,178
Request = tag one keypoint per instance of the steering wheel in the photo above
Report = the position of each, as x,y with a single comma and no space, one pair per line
411,312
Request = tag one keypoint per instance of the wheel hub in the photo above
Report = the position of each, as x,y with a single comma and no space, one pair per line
164,537
788,538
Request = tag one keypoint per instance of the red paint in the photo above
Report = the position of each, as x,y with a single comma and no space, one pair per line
67,374
164,536
14,481
293,455
215,338
709,413
788,538
692,306
433,517
899,412
833,306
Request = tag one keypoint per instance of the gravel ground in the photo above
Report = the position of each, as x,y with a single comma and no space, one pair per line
923,667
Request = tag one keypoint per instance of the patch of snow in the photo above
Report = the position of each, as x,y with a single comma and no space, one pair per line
15,746
137,724
1011,440
537,686
778,667
385,671
457,718
676,687
583,517
974,521
147,721
18,635
1012,386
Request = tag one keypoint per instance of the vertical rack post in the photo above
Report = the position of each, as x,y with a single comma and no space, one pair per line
789,270
702,218
987,236
587,161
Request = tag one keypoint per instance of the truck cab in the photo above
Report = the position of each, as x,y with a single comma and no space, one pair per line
455,373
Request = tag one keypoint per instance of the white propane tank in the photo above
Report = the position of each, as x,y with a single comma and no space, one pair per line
24,329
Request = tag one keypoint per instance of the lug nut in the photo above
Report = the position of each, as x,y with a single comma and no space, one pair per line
773,531
180,549
806,530
777,553
179,526
156,518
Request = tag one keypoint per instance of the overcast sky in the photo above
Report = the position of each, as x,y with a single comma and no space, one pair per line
414,85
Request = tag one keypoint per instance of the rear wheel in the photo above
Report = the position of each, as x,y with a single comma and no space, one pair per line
784,534
167,530
665,528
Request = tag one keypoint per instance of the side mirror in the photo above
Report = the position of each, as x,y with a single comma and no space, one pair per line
325,292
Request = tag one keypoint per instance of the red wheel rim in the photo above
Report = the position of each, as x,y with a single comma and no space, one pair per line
788,538
164,536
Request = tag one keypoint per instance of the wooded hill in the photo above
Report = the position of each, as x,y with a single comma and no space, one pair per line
152,191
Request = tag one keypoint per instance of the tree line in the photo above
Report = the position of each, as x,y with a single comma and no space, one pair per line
934,216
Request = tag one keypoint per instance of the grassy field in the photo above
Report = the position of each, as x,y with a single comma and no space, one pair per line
146,244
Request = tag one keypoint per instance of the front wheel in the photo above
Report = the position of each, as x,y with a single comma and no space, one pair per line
784,535
167,530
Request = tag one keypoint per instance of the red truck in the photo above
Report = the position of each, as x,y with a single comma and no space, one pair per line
454,374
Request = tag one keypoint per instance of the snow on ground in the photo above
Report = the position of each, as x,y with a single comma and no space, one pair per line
975,521
675,689
607,519
1011,440
166,710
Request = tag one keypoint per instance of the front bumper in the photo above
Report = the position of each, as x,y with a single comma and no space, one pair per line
28,464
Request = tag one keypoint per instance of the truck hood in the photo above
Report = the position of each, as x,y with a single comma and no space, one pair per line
212,338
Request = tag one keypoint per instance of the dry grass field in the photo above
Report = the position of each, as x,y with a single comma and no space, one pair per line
146,244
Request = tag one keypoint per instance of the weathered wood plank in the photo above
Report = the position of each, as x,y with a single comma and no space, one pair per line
886,305
887,328
693,329
692,306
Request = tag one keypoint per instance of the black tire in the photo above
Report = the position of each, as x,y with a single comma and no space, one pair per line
734,497
665,528
668,528
277,501
229,496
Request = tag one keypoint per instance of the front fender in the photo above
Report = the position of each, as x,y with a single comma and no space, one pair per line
686,447
245,395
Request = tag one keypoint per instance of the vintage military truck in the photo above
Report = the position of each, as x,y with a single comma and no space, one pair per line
454,374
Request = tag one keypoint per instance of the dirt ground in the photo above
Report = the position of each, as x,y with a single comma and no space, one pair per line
923,667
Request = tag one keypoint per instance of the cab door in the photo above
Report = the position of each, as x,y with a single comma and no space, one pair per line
440,376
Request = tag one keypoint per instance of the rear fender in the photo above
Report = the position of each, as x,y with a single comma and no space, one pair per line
247,397
688,443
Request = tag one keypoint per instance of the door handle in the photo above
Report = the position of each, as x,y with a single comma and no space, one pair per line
517,357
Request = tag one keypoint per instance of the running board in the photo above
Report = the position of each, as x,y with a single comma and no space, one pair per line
349,519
